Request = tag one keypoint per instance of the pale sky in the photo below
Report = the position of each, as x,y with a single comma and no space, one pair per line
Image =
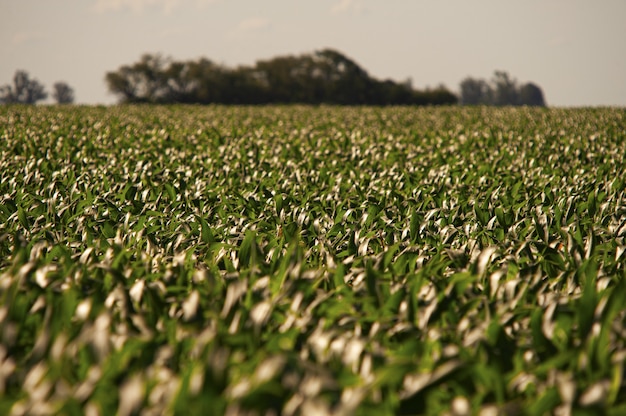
575,50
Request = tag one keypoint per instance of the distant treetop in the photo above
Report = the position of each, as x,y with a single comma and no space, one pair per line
24,90
29,91
63,93
502,90
325,76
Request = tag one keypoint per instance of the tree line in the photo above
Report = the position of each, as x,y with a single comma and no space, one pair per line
500,90
26,90
322,77
325,76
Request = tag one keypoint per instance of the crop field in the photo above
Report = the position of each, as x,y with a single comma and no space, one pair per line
294,260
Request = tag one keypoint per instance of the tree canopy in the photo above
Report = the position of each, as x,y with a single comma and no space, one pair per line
26,90
63,93
23,91
325,76
501,90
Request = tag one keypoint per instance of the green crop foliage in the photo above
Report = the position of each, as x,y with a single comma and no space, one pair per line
312,260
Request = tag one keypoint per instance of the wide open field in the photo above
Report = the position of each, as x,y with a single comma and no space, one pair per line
302,260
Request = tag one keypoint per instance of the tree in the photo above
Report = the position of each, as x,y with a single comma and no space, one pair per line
475,92
63,93
348,83
151,71
208,82
145,81
24,90
180,85
439,96
281,77
531,94
325,76
122,83
502,90
505,89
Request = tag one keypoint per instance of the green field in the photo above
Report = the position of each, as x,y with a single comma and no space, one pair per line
312,260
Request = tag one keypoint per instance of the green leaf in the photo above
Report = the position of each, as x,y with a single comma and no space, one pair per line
546,403
481,214
247,250
278,203
206,235
21,215
171,192
338,276
371,282
591,204
392,304
414,225
587,273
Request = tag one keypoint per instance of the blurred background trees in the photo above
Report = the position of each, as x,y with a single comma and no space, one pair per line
322,77
26,90
325,76
62,93
500,91
23,91
531,94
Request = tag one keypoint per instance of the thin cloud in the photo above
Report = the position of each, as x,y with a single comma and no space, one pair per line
344,6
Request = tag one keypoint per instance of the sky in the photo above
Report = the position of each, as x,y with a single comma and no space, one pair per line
573,49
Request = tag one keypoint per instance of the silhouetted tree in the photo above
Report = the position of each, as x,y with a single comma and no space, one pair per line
151,70
282,78
23,91
475,92
123,84
209,79
505,91
325,76
179,84
62,93
440,96
346,81
145,81
388,93
531,94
